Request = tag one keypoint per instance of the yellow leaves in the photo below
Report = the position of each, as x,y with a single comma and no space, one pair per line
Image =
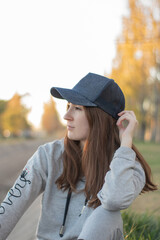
138,51
14,118
50,118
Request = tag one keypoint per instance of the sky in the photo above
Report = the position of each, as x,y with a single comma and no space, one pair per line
55,43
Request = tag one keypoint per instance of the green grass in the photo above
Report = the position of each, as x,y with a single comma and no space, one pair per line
142,220
151,153
141,227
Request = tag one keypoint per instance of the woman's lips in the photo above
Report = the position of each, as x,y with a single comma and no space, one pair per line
70,127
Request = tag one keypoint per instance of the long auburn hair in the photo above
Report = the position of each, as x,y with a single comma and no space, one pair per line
94,160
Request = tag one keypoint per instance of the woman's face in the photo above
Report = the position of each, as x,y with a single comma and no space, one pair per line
77,123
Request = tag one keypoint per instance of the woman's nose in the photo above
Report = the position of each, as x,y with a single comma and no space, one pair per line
68,116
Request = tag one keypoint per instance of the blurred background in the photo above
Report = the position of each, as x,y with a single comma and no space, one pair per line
56,43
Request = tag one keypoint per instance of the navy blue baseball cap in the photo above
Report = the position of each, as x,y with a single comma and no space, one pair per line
94,90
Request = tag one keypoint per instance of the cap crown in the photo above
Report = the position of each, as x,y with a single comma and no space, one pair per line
92,85
95,91
103,92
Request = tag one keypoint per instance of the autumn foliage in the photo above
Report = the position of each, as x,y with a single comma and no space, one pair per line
50,118
136,67
13,116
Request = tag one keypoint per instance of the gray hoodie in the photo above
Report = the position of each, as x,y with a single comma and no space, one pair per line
122,185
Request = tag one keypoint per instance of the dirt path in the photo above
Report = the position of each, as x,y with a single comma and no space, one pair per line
26,227
13,158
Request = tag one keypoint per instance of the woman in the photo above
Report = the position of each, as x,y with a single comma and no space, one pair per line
87,177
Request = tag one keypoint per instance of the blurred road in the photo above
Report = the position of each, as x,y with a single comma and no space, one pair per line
13,158
26,227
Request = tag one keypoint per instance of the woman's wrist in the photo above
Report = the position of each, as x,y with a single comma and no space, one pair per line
126,142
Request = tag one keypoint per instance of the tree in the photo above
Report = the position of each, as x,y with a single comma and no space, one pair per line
135,57
155,73
3,105
50,119
14,118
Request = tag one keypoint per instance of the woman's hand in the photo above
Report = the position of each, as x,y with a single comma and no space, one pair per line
126,132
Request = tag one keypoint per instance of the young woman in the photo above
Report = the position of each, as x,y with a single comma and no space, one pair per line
87,177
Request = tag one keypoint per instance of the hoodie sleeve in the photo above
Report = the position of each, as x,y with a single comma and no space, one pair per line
26,189
123,182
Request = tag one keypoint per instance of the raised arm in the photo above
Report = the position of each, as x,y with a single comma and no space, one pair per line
126,177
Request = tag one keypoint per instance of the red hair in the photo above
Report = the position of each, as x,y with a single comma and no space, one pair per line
94,160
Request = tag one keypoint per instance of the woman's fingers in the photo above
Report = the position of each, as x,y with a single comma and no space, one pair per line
127,112
127,115
126,123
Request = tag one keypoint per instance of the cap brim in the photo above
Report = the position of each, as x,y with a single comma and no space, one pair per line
71,96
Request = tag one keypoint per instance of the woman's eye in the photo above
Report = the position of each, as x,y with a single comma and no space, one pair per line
73,106
78,108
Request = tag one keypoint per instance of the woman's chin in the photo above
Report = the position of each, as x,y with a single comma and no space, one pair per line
72,137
